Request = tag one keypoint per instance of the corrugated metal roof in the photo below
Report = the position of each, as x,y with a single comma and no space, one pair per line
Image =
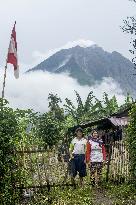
117,119
123,121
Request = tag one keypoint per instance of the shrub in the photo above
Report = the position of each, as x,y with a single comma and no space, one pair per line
131,140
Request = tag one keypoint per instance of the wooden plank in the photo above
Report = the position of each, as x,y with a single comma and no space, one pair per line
43,186
30,151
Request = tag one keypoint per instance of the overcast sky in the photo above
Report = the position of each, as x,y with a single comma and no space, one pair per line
43,25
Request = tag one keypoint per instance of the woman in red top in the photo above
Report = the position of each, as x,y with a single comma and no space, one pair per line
95,155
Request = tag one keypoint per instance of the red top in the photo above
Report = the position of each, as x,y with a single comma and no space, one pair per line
88,151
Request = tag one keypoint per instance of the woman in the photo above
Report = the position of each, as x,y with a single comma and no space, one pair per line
77,156
96,155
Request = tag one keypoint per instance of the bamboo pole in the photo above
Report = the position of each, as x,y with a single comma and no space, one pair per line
118,162
44,167
4,81
31,165
38,171
5,72
109,161
113,161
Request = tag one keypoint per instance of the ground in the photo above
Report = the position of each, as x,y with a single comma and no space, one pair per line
104,195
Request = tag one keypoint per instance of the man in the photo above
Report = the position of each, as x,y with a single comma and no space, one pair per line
77,156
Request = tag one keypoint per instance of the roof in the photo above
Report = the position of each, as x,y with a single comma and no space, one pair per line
123,121
117,119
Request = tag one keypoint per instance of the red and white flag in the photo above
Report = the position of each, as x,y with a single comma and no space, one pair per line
12,53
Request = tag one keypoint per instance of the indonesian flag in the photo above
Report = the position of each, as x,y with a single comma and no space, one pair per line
12,53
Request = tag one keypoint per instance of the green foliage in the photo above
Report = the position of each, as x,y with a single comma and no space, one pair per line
73,197
27,123
108,194
129,27
8,134
65,196
46,130
92,108
49,129
128,99
131,140
13,136
54,107
122,194
50,124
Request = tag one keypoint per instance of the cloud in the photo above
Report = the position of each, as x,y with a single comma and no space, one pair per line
31,90
38,56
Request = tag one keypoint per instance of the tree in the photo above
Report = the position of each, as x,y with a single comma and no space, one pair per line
8,135
83,111
110,105
92,108
133,0
49,129
50,124
130,27
131,140
54,106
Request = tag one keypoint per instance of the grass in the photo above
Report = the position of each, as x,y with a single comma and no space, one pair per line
107,194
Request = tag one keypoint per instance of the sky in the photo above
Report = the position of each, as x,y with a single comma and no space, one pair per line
43,26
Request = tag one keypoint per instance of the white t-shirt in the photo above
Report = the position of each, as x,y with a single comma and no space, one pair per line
79,145
96,152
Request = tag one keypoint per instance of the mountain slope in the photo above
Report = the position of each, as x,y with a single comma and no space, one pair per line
90,64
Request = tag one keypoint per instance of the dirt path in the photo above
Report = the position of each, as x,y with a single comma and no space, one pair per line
101,198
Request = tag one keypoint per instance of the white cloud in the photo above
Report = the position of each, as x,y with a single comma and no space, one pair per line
39,56
81,42
31,90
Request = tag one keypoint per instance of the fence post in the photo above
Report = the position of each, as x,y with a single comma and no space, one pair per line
109,160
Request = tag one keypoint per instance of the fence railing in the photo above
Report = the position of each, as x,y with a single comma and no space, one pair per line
119,165
40,168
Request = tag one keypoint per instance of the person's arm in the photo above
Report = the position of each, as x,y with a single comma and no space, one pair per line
71,148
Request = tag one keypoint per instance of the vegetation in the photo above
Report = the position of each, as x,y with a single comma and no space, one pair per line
25,130
131,140
130,27
109,194
8,137
92,108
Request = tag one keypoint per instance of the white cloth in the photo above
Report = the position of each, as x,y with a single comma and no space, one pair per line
79,145
96,152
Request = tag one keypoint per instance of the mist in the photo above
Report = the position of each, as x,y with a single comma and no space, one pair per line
31,90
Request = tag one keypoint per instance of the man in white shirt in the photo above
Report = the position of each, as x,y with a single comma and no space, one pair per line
77,156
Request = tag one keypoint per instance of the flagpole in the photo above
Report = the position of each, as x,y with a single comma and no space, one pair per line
4,81
5,70
5,75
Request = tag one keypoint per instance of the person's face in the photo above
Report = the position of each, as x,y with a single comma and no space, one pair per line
95,134
79,134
